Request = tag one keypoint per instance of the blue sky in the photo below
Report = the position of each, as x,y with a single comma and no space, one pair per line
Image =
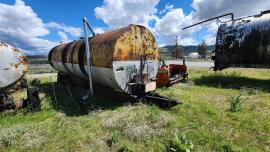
42,24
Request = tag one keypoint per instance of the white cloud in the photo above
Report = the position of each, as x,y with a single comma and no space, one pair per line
205,9
174,20
63,36
211,8
21,27
168,7
187,41
74,31
118,13
210,39
99,30
13,18
170,26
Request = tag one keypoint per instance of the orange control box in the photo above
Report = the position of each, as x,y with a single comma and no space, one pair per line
170,74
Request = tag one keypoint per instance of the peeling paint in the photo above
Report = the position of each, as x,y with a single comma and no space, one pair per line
125,44
118,49
13,65
246,43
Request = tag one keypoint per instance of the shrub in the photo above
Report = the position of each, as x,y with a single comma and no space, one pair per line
250,91
112,140
227,147
235,104
124,148
5,142
35,82
179,144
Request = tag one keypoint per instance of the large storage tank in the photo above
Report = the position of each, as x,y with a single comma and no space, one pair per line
115,57
13,65
245,43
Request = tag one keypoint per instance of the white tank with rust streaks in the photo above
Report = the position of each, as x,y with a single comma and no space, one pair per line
13,65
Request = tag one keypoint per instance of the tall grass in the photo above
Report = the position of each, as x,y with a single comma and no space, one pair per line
203,121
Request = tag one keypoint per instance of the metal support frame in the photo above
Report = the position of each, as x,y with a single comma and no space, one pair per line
87,49
229,14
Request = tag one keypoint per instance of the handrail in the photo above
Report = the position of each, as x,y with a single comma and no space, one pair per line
229,14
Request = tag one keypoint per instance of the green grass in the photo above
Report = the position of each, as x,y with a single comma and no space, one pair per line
40,65
204,119
41,68
43,60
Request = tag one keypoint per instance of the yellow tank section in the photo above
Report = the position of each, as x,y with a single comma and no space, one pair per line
125,44
137,42
115,57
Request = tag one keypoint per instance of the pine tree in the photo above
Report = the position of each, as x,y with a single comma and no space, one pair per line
202,49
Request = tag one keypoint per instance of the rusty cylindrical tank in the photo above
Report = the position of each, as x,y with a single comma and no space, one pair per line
13,65
246,43
115,57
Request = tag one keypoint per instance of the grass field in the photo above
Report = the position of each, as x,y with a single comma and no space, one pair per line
225,111
40,65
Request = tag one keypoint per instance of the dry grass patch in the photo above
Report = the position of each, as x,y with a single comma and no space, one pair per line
136,122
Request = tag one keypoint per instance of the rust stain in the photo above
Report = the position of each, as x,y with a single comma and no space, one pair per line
119,54
16,50
18,65
23,60
125,44
76,51
130,55
136,42
3,44
142,30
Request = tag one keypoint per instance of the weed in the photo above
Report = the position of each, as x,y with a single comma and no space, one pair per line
125,148
153,113
113,139
210,111
5,142
229,148
65,125
179,144
152,121
235,104
35,82
250,91
233,74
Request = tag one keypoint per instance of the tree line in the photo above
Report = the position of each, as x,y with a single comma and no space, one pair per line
179,52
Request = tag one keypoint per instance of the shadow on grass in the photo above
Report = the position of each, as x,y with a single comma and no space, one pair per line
66,98
233,81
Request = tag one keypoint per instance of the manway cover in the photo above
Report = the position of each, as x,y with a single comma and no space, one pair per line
13,65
